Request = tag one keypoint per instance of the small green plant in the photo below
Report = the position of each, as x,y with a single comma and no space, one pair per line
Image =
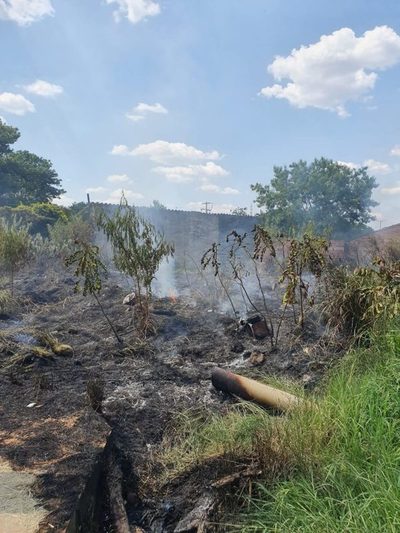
138,250
89,269
302,256
355,300
306,255
15,249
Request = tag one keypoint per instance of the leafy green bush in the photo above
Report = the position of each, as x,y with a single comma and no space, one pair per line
355,300
36,216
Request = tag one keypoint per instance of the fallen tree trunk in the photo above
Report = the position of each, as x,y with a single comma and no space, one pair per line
252,390
116,500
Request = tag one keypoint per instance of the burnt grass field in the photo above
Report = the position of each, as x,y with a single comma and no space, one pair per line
88,421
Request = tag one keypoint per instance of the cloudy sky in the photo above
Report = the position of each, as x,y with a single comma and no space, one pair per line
187,101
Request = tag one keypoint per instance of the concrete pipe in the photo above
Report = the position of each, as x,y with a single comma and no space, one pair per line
252,390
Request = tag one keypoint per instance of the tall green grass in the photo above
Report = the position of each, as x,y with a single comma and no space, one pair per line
351,480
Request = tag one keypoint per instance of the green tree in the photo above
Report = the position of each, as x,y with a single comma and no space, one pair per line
25,178
325,194
138,250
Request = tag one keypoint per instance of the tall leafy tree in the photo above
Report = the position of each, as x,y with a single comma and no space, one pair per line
325,194
25,178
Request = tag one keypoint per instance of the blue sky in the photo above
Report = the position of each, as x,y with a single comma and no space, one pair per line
184,101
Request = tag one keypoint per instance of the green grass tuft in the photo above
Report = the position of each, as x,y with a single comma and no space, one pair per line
353,483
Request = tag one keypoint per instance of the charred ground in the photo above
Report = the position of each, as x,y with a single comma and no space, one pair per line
142,384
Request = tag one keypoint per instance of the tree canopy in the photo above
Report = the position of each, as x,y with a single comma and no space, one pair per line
325,194
25,178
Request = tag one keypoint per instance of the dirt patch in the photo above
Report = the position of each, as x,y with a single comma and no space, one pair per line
20,512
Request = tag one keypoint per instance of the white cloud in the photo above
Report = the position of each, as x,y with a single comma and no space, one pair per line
15,104
64,200
140,111
24,12
96,189
120,149
150,108
185,174
118,178
229,190
166,152
135,10
391,191
339,68
395,150
115,196
349,164
212,188
134,118
377,167
44,88
211,169
176,174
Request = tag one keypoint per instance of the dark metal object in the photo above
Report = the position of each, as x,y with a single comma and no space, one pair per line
256,325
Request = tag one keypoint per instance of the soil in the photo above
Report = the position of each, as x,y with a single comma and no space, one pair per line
51,424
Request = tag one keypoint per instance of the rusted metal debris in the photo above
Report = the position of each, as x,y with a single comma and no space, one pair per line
252,390
256,326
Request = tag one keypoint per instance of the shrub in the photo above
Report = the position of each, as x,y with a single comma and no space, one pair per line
36,216
15,249
355,300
